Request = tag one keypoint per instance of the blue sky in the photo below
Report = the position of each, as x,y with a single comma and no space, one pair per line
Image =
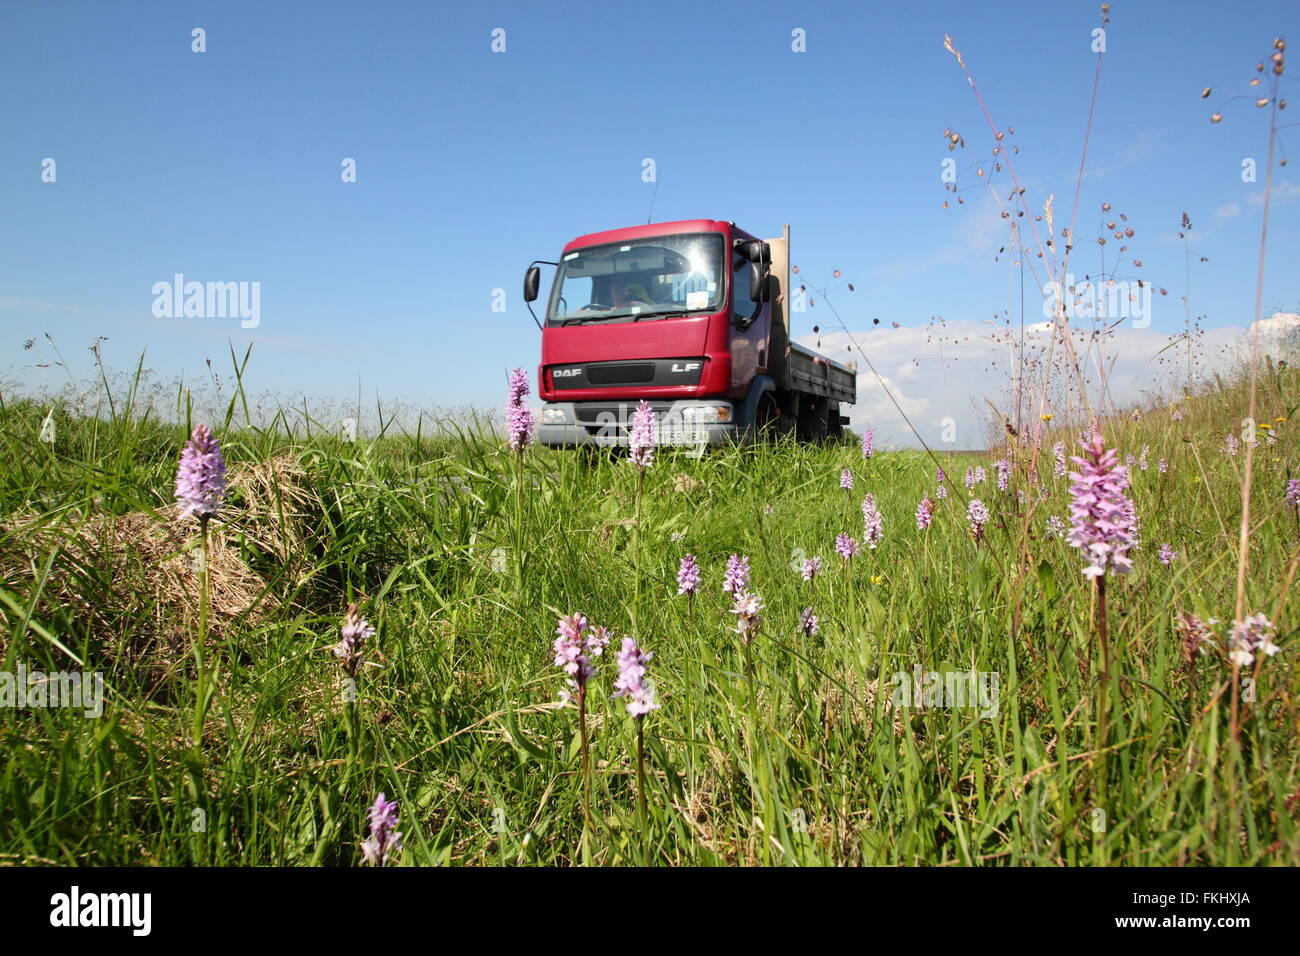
225,165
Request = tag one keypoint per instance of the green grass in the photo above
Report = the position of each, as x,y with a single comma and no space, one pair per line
458,716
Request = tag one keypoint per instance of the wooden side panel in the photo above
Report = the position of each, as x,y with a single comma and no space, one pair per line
777,361
814,374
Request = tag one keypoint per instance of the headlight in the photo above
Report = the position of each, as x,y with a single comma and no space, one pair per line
554,416
706,414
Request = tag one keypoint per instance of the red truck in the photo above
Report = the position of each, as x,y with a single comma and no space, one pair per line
692,317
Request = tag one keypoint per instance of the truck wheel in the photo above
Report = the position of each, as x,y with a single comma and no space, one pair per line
772,424
833,427
814,421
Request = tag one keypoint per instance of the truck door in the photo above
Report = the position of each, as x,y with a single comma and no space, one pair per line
749,343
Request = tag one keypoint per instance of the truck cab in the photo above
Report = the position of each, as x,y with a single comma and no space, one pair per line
689,316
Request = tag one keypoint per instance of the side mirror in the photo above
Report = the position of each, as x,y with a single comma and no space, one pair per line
531,279
758,251
757,283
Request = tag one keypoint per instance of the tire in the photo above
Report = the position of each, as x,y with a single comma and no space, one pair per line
814,420
772,424
833,427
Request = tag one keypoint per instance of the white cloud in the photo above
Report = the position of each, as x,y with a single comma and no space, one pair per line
974,370
1284,193
1140,147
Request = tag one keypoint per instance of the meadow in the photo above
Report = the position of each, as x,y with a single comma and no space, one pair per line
786,742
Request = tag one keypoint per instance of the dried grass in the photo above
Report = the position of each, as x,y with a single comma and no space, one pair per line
135,576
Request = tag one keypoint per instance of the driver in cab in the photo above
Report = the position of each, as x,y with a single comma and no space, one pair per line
628,294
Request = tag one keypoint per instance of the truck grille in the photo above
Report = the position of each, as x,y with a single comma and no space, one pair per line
655,372
638,374
614,415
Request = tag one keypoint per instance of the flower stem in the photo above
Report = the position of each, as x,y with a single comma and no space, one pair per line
642,811
519,523
636,549
586,758
749,681
201,692
1103,694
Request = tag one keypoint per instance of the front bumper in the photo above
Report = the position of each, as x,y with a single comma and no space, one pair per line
607,424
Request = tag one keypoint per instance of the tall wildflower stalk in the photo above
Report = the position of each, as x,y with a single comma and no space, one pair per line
577,643
873,523
1185,226
1103,526
1292,498
736,578
350,650
641,452
688,583
639,691
809,624
520,430
200,491
1045,244
747,607
977,518
1274,101
385,840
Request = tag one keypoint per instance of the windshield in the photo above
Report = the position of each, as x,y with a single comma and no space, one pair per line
640,279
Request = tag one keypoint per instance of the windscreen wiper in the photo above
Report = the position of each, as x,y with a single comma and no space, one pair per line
580,319
633,316
666,314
